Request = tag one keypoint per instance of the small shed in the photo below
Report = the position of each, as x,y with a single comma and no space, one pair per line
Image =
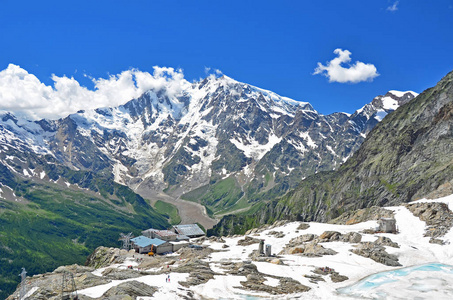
163,246
176,245
143,244
387,225
190,230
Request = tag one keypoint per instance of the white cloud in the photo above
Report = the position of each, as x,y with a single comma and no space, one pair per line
393,7
24,94
355,73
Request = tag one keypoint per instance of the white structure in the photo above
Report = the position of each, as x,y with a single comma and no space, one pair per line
176,245
387,225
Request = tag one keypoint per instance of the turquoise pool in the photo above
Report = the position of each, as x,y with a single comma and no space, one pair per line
427,281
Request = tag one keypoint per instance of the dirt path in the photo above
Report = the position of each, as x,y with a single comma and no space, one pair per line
190,212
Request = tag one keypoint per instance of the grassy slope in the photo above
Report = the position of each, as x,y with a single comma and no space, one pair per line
221,197
59,226
168,210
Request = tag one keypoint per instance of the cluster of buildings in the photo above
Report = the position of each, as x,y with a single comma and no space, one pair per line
166,241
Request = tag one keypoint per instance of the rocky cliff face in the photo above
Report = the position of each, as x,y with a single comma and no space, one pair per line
405,157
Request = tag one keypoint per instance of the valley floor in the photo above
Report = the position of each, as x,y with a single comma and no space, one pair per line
190,212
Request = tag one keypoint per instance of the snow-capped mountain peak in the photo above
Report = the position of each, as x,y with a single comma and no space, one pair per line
180,136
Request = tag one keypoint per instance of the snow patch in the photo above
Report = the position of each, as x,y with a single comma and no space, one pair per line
389,103
308,139
400,94
380,114
254,149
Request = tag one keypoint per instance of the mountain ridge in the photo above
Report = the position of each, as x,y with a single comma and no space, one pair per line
180,138
405,157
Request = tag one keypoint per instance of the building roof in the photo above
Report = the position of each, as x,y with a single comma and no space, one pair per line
189,229
157,242
143,241
182,237
159,232
165,233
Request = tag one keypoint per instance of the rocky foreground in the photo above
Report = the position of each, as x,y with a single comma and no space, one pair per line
308,260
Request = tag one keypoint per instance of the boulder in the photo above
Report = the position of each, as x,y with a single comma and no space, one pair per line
116,274
133,289
329,236
351,237
377,253
335,277
310,249
301,239
303,226
248,241
385,241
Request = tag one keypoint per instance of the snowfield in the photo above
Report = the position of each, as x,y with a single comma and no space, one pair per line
419,282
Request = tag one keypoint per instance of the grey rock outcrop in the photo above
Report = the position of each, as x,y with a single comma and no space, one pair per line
362,215
351,237
377,253
248,241
312,249
133,289
104,256
385,241
437,216
199,271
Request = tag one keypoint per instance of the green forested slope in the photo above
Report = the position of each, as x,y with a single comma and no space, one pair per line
51,225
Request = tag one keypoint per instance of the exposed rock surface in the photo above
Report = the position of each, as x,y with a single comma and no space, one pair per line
248,241
303,226
255,280
277,234
362,215
104,256
309,249
131,289
437,216
377,253
116,274
50,283
334,276
199,270
385,241
351,237
301,239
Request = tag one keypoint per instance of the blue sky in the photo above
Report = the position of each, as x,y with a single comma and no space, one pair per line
275,45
